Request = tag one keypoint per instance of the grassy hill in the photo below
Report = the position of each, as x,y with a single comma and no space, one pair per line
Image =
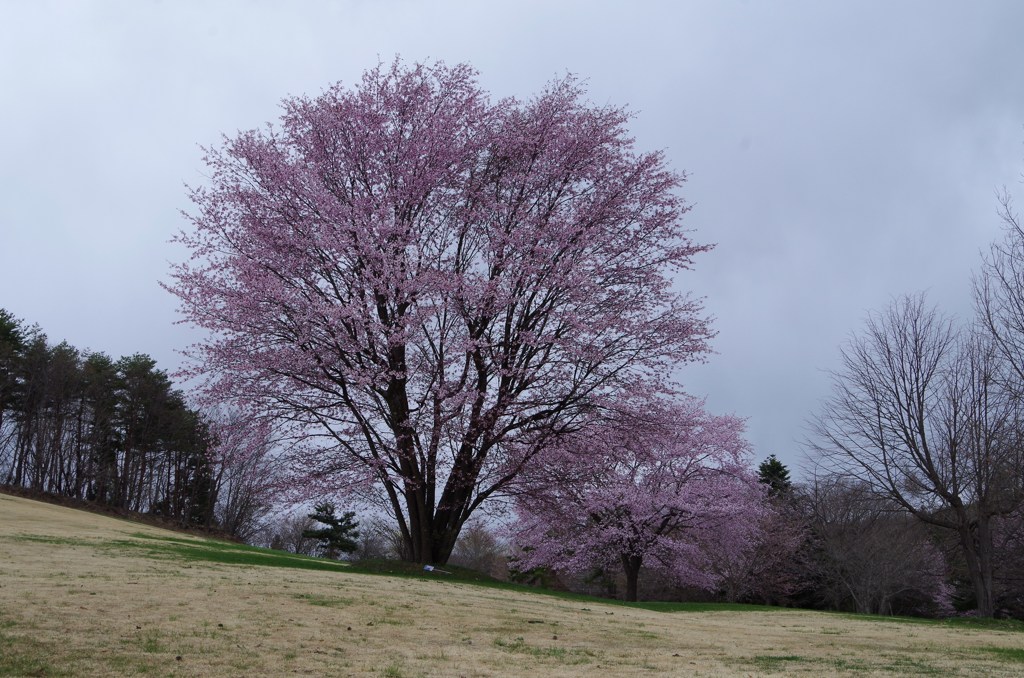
89,595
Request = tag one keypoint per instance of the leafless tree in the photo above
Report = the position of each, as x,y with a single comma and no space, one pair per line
479,548
244,474
379,538
999,292
244,495
920,415
871,553
285,533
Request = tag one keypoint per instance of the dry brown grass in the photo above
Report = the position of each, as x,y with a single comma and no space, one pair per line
80,595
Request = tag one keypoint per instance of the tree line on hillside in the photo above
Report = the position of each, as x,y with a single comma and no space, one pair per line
833,542
820,545
80,424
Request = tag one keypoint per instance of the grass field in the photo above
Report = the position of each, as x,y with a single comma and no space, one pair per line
89,595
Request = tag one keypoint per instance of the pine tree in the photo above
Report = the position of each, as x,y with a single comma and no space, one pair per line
340,533
775,475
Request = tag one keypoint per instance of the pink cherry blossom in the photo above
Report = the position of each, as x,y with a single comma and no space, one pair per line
664,484
426,289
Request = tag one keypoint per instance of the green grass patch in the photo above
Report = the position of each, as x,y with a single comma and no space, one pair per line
1012,655
772,663
854,666
323,601
397,568
697,607
204,549
400,568
562,655
240,554
41,539
979,623
227,553
983,623
909,666
150,642
199,549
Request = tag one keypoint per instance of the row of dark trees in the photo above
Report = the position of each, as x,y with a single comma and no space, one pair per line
859,552
80,424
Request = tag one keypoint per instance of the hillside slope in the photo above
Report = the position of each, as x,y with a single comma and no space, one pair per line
88,595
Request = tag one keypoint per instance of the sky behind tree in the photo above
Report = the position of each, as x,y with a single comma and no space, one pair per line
840,154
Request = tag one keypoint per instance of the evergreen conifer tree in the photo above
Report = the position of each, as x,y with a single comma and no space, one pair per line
775,475
339,535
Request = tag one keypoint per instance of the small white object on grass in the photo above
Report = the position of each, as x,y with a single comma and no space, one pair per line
431,568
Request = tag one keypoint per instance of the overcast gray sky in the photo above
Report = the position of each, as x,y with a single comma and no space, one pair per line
841,153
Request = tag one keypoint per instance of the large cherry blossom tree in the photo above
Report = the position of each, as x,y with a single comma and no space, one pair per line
668,486
428,288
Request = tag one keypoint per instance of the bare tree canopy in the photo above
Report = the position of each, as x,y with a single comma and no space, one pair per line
999,291
920,413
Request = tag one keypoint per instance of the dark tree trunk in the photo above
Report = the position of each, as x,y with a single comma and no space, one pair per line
631,566
431,536
976,542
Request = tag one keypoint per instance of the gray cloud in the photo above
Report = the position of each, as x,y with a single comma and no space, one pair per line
840,153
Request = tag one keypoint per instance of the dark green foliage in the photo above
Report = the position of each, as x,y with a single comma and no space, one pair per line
775,475
339,535
12,344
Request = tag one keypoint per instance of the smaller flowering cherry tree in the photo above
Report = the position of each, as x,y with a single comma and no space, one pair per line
755,556
659,484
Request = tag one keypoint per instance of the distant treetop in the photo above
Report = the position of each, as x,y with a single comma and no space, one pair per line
775,475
